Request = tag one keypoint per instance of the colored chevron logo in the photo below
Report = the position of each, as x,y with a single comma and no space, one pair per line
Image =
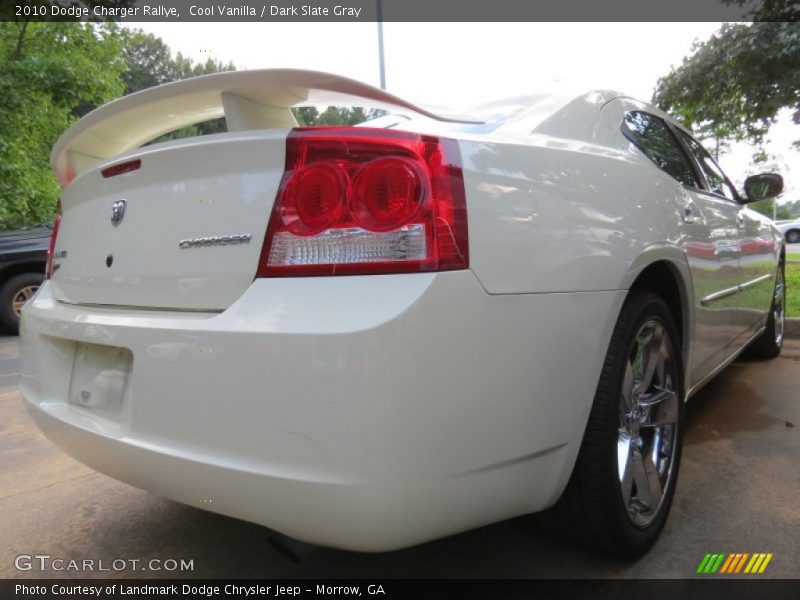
736,562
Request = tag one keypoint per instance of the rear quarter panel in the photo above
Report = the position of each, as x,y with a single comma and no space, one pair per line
562,215
555,215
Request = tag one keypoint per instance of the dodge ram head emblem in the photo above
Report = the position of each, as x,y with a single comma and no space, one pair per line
118,212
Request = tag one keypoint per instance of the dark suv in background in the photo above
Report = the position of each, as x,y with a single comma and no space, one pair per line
23,256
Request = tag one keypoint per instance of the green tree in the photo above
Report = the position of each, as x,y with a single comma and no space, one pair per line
149,63
148,60
306,115
733,85
183,68
793,208
765,207
334,115
47,71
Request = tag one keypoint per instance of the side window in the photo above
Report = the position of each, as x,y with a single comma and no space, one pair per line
654,138
717,182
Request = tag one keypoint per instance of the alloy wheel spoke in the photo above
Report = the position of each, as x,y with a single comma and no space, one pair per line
654,354
623,454
639,476
653,484
627,387
625,467
663,405
656,448
22,297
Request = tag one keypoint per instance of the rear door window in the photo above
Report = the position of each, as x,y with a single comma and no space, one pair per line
651,134
716,180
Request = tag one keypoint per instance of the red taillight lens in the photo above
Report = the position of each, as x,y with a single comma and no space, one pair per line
388,192
48,272
314,199
362,201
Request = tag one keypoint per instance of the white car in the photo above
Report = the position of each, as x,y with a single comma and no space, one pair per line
368,337
790,230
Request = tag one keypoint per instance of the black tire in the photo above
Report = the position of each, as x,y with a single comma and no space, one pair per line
591,511
793,236
9,292
770,343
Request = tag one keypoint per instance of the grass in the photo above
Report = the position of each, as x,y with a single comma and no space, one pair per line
727,279
793,287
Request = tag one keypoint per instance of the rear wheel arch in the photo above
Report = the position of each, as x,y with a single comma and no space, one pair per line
22,267
663,279
670,280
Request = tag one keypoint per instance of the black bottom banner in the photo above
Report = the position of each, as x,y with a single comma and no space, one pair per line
394,589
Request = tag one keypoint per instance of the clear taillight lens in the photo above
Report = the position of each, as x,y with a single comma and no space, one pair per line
362,201
48,272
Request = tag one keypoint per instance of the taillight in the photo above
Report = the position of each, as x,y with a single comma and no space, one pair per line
365,201
52,247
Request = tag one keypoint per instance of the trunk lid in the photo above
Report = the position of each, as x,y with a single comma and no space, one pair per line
195,215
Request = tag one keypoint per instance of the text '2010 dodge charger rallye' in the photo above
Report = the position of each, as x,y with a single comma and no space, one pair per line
369,337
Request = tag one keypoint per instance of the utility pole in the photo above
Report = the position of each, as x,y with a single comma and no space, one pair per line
380,44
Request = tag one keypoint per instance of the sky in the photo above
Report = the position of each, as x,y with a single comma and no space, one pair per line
458,65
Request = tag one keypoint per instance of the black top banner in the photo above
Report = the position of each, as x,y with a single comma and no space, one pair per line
401,10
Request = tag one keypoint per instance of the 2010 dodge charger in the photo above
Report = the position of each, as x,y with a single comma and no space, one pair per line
369,337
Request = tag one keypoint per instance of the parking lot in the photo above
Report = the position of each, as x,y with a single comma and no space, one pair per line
737,492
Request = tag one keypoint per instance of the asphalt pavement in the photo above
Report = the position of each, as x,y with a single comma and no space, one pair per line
737,492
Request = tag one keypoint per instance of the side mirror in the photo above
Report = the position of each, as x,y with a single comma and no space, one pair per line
762,187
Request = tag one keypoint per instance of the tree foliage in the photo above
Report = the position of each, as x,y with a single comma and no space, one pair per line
47,70
792,210
766,207
770,10
52,73
149,63
733,85
148,60
334,115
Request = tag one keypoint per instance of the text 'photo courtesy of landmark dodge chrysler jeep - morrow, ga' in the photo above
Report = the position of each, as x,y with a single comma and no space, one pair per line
368,337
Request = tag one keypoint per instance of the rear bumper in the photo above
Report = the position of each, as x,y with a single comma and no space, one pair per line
368,413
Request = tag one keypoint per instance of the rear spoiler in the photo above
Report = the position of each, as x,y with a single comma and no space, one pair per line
258,99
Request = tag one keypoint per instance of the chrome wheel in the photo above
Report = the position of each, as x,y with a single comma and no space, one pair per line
21,297
648,424
621,489
793,237
779,307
